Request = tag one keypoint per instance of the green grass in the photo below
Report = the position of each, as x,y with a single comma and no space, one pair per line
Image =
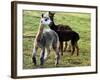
80,22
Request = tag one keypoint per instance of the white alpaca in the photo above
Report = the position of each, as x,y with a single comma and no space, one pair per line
45,38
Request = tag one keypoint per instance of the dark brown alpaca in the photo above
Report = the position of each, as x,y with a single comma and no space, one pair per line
65,34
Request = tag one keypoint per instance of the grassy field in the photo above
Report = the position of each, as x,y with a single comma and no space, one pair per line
80,22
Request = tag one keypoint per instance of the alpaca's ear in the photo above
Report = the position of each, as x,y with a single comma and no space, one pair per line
42,15
51,13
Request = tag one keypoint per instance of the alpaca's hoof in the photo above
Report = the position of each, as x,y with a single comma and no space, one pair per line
56,64
34,60
41,61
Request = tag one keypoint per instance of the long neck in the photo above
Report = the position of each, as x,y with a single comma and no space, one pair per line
40,31
52,25
41,27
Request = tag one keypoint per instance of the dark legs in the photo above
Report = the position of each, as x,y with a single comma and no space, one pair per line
75,45
34,55
61,48
73,49
77,49
42,56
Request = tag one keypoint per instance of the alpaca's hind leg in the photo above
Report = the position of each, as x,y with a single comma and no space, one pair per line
42,56
73,46
34,54
77,49
57,55
73,49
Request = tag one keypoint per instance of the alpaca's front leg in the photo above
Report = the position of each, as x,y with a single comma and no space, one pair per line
42,56
34,55
61,47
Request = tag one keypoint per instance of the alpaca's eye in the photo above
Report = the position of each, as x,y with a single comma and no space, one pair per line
46,19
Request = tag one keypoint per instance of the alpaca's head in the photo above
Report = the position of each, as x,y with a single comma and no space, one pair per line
51,14
45,19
